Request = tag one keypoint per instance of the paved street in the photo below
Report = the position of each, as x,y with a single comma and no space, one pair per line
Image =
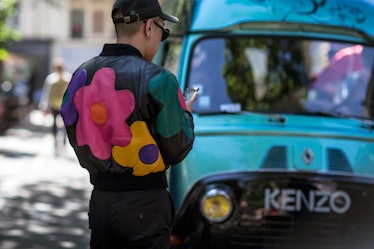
43,197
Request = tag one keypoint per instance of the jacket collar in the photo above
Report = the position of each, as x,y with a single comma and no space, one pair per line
115,49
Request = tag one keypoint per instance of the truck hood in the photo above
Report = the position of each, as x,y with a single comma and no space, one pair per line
289,143
284,125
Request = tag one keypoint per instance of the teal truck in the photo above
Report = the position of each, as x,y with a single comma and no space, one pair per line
284,144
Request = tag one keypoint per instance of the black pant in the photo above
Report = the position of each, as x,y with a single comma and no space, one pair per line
130,219
55,114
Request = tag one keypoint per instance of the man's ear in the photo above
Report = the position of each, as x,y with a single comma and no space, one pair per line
148,29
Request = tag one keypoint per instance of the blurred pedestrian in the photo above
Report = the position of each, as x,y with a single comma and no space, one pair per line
35,87
54,86
127,121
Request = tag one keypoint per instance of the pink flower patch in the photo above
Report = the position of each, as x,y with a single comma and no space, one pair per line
102,114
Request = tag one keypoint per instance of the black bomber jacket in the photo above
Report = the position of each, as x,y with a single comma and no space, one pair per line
126,120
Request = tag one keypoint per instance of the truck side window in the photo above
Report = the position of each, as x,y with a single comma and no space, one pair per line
206,69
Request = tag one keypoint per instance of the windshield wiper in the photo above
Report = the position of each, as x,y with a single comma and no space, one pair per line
272,118
365,122
215,113
276,118
333,114
321,113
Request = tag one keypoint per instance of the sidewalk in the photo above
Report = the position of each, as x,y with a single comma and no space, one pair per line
43,198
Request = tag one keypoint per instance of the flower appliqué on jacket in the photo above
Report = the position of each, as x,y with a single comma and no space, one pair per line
68,111
146,157
102,112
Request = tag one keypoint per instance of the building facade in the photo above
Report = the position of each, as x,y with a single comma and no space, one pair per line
72,29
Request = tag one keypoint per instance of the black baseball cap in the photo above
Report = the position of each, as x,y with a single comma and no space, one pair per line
136,10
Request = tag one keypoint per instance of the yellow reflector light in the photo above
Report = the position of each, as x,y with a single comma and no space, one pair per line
216,205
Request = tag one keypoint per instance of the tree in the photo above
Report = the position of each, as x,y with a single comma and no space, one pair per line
6,33
181,9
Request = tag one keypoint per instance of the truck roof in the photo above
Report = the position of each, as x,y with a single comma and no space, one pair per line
222,14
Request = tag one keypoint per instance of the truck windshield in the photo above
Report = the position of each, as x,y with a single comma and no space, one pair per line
284,75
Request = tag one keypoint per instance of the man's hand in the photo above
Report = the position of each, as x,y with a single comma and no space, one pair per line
189,103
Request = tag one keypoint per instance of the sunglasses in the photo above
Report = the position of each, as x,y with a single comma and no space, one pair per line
165,32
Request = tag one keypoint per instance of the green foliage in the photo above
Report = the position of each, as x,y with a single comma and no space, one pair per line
180,9
284,74
6,33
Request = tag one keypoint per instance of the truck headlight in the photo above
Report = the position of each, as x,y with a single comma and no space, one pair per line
216,205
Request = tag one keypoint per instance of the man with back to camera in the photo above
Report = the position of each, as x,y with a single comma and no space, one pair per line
54,86
127,121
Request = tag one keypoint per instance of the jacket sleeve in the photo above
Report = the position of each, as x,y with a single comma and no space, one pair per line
173,123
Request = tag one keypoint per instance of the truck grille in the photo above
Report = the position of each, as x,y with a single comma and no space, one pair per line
277,158
275,228
285,210
314,232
